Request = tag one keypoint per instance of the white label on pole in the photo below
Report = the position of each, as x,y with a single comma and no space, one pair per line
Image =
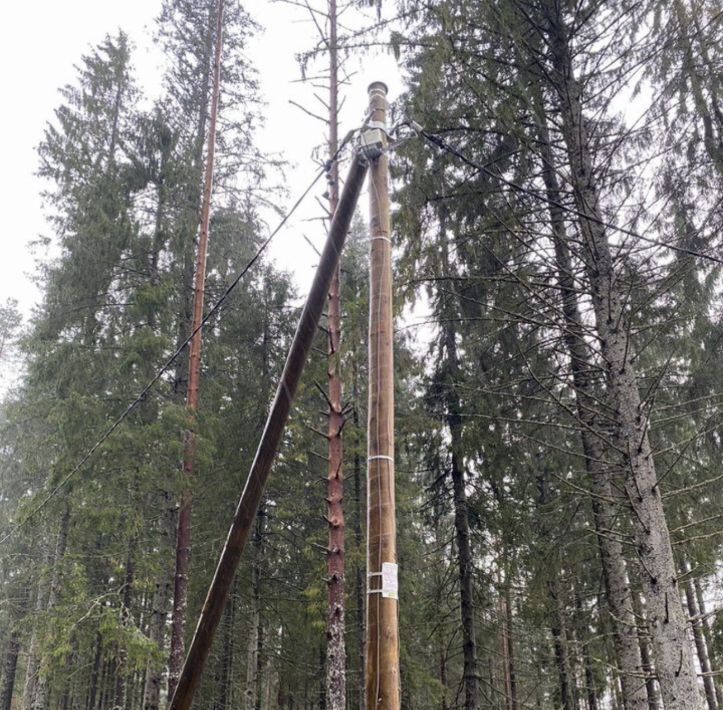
390,585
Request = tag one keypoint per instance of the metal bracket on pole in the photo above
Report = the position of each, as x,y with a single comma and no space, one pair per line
373,140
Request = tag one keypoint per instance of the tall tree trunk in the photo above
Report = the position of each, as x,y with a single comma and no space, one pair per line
225,686
645,654
574,660
260,659
590,691
94,684
10,665
183,539
466,570
439,576
108,685
255,637
508,660
617,588
10,668
335,623
673,657
715,664
699,638
69,681
32,667
42,695
157,634
562,651
511,650
581,640
122,677
159,611
465,564
442,655
555,605
360,587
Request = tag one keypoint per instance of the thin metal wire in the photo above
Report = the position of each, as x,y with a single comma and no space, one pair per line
443,145
167,364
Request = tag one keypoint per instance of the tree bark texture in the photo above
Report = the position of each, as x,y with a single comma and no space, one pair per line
95,674
645,654
565,677
714,662
33,663
617,588
465,566
156,633
225,684
336,621
42,693
673,657
360,586
9,671
701,647
183,540
254,649
508,660
555,606
465,562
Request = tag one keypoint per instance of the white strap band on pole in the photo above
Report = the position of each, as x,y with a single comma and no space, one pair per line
380,236
380,456
390,584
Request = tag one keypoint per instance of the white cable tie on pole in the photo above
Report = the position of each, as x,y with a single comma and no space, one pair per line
380,456
380,236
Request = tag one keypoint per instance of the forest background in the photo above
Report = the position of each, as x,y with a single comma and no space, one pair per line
558,407
66,31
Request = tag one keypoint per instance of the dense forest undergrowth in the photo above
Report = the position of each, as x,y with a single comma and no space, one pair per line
558,424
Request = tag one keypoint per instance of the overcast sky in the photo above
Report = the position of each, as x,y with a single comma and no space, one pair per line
39,44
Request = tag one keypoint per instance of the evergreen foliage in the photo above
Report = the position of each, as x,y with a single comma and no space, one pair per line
558,404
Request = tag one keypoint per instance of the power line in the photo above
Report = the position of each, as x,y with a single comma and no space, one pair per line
165,367
443,145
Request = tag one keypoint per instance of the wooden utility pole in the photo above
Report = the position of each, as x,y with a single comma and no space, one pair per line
335,623
382,682
248,504
183,536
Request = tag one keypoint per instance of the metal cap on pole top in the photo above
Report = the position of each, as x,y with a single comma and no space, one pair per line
378,87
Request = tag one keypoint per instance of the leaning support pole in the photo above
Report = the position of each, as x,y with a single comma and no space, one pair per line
248,504
383,682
